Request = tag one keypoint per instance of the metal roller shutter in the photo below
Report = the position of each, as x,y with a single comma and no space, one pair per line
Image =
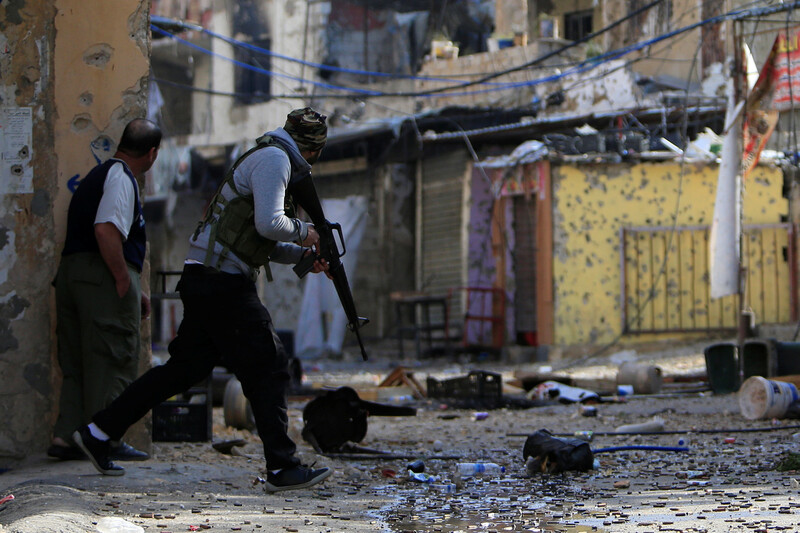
443,209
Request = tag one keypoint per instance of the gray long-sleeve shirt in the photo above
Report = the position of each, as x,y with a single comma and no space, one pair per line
265,174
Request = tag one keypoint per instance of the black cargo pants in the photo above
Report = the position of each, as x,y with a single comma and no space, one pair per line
224,323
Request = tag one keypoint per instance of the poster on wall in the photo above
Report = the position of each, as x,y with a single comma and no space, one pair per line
16,138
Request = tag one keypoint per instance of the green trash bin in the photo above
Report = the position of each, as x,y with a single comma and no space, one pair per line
722,367
759,358
788,355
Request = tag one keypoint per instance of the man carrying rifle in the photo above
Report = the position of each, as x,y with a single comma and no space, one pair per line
250,222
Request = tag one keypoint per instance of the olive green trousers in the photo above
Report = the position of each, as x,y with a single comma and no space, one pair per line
98,338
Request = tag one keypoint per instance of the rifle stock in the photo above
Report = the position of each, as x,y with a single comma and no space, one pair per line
305,194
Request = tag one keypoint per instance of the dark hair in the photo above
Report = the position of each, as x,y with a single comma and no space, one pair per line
139,137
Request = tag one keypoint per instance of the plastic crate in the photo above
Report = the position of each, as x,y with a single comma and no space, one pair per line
181,422
477,387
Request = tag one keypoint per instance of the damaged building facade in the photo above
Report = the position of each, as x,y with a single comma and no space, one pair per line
518,160
71,76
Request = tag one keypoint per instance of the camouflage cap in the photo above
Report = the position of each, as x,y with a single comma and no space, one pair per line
307,128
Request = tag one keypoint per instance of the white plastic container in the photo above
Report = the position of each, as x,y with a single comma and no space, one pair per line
763,398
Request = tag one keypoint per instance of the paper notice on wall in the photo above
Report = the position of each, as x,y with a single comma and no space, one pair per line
16,153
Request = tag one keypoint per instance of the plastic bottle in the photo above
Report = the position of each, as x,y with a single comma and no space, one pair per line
470,469
421,477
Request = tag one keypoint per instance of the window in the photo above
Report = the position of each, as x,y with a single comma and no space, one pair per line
578,25
253,86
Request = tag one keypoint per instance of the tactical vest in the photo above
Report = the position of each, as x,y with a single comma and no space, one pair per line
233,222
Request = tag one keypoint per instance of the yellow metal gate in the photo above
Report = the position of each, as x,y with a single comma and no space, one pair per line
666,286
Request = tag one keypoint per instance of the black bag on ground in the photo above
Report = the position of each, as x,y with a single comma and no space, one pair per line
554,454
340,416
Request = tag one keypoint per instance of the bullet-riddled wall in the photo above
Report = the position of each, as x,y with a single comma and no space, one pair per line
72,73
593,202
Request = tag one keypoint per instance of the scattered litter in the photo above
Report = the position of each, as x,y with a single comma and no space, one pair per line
689,474
478,389
421,477
481,415
402,377
654,425
446,488
645,379
117,525
339,417
624,390
761,398
588,410
553,390
226,447
545,453
6,499
471,469
417,466
586,129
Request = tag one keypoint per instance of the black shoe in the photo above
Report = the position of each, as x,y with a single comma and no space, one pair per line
65,453
297,477
123,451
97,451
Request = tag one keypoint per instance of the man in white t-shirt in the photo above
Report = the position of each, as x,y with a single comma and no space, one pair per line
99,303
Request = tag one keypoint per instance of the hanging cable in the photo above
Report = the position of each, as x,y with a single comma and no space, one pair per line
579,69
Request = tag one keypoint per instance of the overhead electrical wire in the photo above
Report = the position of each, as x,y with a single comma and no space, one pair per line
155,20
580,68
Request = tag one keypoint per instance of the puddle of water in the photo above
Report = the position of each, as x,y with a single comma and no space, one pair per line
485,506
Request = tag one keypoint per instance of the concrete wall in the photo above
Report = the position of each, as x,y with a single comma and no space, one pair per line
79,67
590,205
27,247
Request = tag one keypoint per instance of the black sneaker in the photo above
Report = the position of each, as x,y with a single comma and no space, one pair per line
65,453
122,451
298,477
98,451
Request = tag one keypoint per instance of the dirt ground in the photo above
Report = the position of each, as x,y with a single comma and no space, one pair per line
726,480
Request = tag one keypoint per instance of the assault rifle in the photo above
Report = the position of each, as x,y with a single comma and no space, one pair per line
305,194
